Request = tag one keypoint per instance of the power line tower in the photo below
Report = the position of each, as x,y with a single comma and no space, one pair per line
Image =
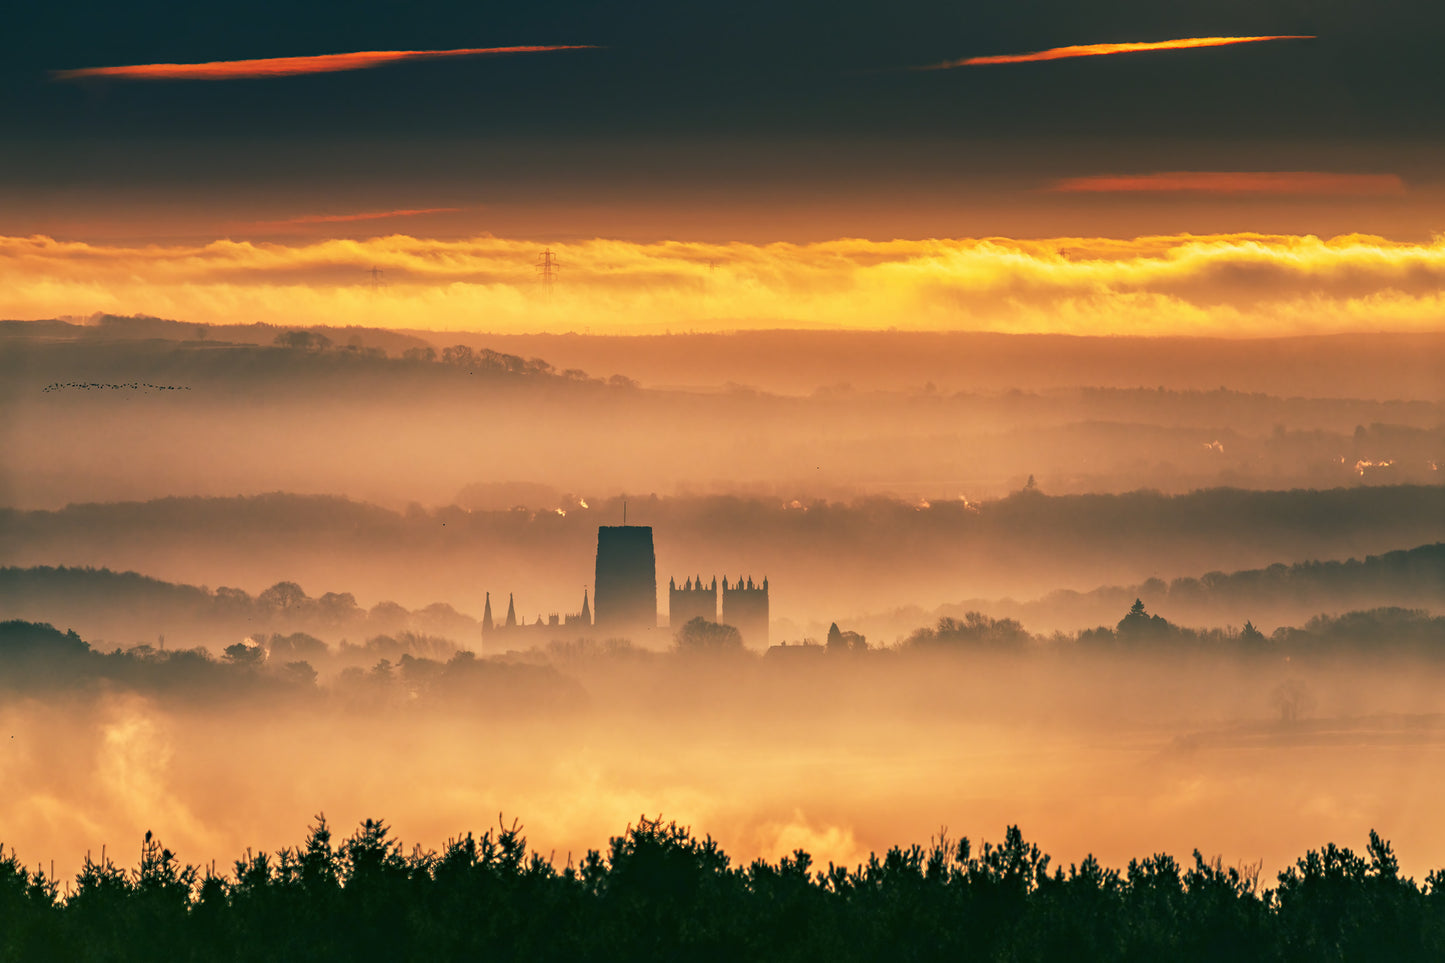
547,266
376,282
709,283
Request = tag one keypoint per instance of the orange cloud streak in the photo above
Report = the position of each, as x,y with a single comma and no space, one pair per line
289,66
364,216
1235,182
1105,49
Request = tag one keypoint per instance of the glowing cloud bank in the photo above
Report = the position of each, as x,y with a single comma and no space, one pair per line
1235,284
288,66
1236,182
1106,49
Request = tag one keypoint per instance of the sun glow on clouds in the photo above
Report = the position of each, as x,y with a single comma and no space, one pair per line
288,66
1105,49
1238,284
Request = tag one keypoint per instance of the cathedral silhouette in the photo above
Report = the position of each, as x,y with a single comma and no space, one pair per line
624,601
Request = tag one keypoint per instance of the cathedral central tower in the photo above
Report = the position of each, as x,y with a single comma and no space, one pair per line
625,591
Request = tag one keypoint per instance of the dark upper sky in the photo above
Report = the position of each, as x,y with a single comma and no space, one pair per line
708,99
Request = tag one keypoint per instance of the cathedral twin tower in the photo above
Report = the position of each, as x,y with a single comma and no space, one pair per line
624,599
744,607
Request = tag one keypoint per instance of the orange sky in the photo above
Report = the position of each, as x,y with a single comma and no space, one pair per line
1233,284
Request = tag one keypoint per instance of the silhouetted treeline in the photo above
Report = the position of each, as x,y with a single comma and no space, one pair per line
331,390
127,606
1356,365
1409,578
340,343
658,892
1299,369
1375,633
264,360
38,659
1027,542
974,631
140,327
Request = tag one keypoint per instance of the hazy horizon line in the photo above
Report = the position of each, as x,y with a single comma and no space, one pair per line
98,319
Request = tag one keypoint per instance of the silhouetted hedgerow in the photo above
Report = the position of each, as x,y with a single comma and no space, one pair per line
660,893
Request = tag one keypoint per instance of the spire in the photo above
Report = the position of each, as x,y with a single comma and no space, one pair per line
487,615
511,612
586,609
672,584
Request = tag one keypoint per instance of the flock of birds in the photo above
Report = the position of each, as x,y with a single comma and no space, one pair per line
96,386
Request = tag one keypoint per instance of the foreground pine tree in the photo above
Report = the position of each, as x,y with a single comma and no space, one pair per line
661,893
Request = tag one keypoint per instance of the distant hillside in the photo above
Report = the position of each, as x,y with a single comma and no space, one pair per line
126,608
825,559
1276,595
1381,366
140,327
131,354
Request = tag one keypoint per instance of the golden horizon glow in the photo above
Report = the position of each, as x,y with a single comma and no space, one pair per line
1235,182
290,66
1107,49
1231,285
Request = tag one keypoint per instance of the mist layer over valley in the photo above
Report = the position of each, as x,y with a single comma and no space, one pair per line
274,546
127,609
824,560
1149,739
828,430
97,417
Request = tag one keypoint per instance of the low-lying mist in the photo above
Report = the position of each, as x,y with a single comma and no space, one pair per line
317,526
825,560
126,608
104,420
1114,749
